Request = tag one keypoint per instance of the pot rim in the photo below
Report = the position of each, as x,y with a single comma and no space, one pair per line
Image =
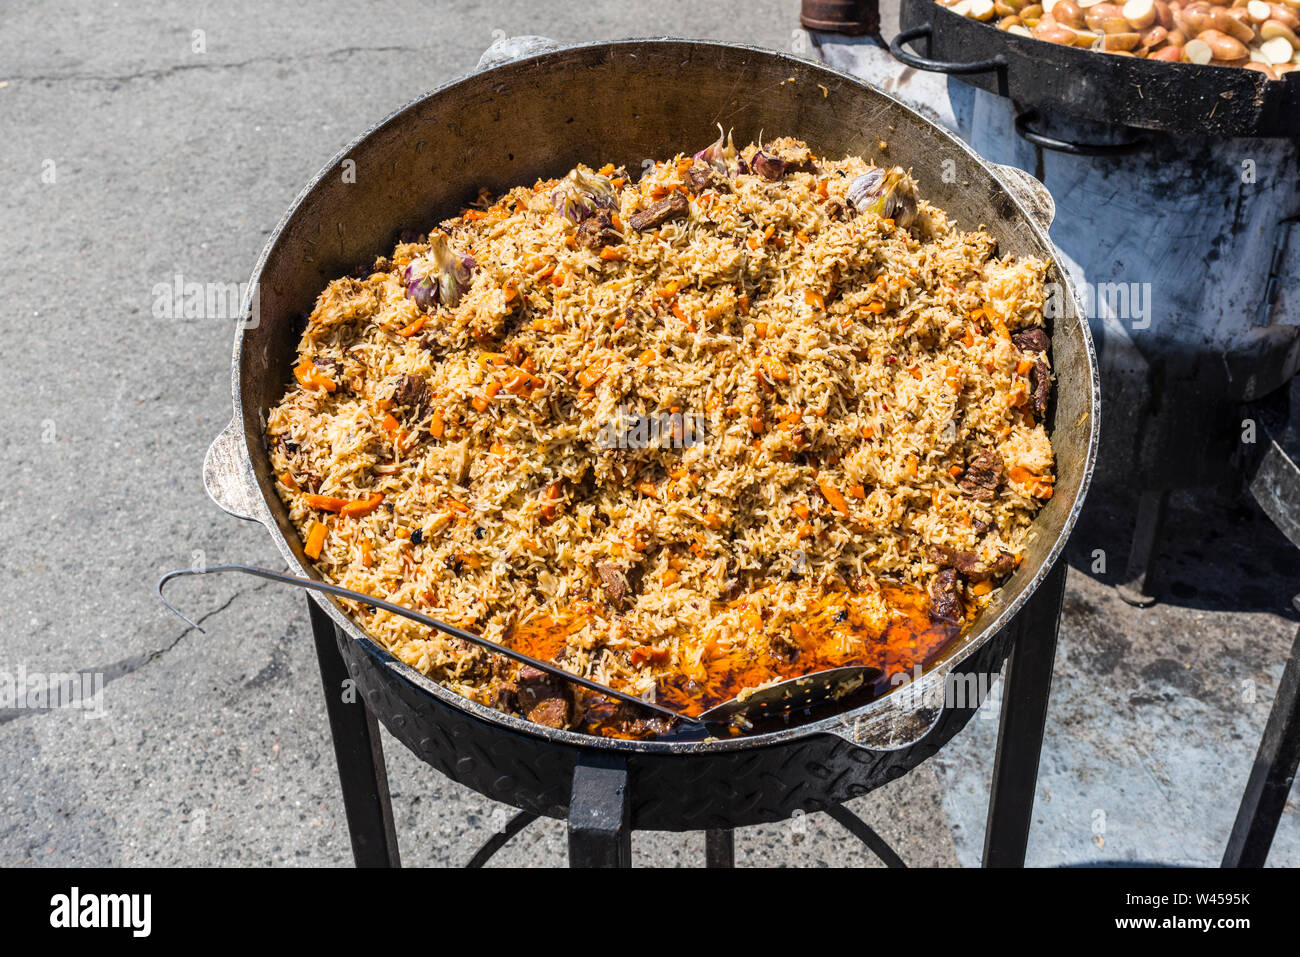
838,724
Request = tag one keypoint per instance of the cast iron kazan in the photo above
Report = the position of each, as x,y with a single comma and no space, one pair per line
1055,80
623,102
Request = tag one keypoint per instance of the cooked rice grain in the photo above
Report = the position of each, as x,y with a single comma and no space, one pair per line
845,371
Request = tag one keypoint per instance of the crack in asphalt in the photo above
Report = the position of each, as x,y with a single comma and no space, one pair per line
126,666
158,74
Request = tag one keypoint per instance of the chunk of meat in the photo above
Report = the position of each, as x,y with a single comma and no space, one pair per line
1041,381
542,698
1031,339
1002,566
473,663
551,713
970,567
945,602
673,206
701,177
983,476
600,714
597,231
964,562
618,584
412,393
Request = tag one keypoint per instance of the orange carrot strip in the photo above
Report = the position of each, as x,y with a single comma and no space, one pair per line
327,503
834,496
775,370
315,541
362,506
590,376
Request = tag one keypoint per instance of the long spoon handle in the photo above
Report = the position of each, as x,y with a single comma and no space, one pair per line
328,589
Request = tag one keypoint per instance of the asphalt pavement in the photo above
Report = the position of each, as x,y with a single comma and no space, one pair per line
146,145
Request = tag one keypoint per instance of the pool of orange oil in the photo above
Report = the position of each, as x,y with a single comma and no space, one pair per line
842,627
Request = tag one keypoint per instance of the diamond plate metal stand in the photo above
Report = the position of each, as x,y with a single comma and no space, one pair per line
1026,687
359,752
600,820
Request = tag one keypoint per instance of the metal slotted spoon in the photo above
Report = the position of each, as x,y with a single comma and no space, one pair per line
790,694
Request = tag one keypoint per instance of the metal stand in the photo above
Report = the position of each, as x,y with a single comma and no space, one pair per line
600,825
1025,690
1272,776
600,831
1136,586
720,848
359,751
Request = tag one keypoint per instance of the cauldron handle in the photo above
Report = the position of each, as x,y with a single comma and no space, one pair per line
504,49
1026,132
901,723
228,476
1032,194
996,63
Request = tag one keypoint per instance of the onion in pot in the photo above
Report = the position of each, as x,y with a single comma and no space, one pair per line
582,195
887,194
721,155
768,165
441,275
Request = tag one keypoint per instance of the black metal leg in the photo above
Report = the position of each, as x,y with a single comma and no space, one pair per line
720,847
1136,586
1272,776
501,838
1025,690
600,829
866,834
359,753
